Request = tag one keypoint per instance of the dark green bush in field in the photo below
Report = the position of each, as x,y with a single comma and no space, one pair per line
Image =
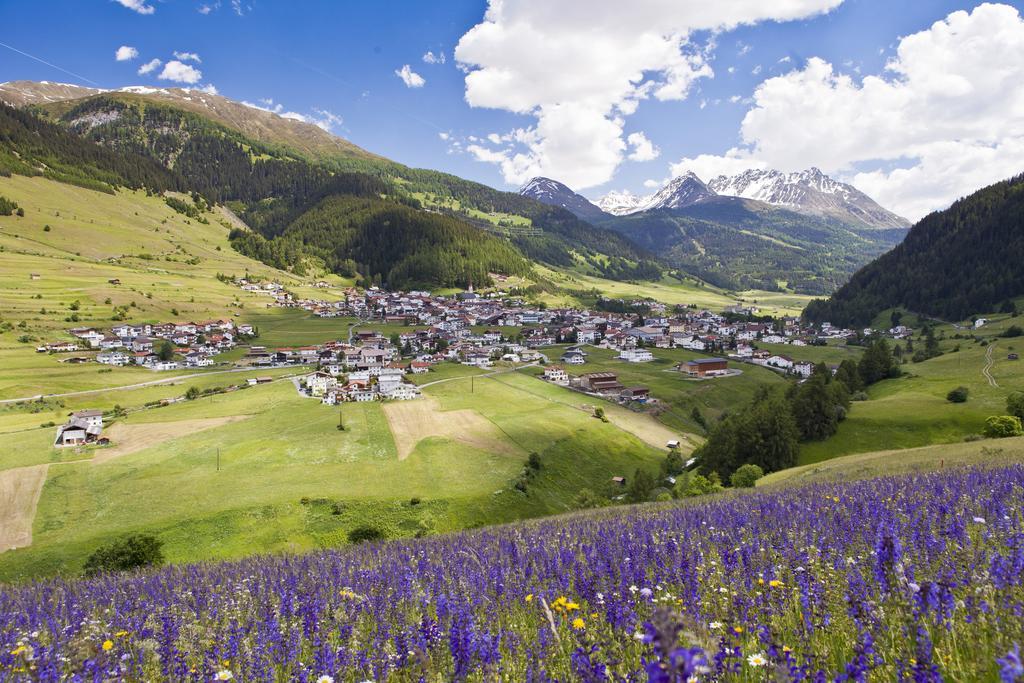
1015,404
746,476
130,552
958,395
362,534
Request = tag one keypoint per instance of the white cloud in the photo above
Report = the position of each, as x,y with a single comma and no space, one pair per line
708,166
137,6
209,89
642,148
207,8
432,58
945,118
756,70
321,118
410,77
551,61
651,183
151,65
126,53
444,136
180,72
239,9
786,60
188,57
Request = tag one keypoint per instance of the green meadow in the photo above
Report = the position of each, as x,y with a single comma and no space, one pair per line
289,480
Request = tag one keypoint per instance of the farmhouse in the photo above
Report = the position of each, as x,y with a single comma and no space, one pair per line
705,367
85,426
600,382
804,368
638,394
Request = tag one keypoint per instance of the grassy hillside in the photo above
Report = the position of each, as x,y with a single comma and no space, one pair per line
289,480
912,411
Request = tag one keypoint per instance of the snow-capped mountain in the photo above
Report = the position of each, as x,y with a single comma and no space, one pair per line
548,191
680,192
811,192
621,203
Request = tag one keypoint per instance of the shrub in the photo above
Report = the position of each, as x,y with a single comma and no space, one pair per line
958,395
588,499
362,534
1001,426
746,476
130,552
1013,331
192,394
534,461
1015,404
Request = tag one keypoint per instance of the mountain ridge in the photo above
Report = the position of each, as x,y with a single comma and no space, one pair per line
810,192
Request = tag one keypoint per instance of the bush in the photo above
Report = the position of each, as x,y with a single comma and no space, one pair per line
362,534
958,395
131,552
1002,426
534,461
1013,331
192,394
588,499
1015,404
746,476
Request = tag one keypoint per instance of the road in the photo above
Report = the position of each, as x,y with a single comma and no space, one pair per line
989,362
151,383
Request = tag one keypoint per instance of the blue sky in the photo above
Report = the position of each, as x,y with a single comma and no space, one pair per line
546,101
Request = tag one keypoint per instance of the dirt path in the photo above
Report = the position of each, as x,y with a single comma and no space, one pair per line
989,362
19,495
132,438
413,421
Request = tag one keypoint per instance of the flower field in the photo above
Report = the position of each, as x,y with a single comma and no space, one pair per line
917,578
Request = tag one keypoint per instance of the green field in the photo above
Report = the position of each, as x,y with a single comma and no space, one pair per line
912,411
288,450
677,393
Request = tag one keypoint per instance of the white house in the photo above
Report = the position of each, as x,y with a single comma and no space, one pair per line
804,368
118,358
402,392
319,382
779,361
636,355
163,365
556,374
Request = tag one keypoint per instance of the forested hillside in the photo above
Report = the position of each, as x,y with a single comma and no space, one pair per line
953,263
272,186
30,146
387,242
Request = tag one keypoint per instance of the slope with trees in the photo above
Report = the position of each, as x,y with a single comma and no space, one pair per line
953,263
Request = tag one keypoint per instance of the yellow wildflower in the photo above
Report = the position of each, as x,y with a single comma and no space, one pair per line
108,645
787,648
774,583
121,634
578,624
18,650
737,629
760,582
529,598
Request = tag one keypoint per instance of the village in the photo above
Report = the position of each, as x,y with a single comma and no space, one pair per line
469,328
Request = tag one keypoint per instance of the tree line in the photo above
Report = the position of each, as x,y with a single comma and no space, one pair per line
768,432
